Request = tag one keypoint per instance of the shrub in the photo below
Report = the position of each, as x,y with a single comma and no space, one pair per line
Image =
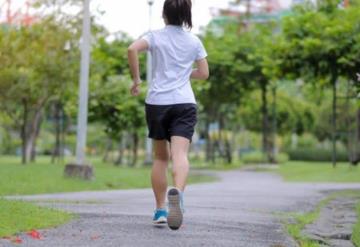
258,157
316,154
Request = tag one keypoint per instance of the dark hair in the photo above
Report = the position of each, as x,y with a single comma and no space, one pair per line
178,12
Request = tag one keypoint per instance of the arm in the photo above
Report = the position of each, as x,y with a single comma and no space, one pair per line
202,70
133,58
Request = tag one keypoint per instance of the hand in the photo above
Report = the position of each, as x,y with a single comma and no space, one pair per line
135,89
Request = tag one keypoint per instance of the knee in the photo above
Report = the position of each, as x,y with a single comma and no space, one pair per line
161,156
179,157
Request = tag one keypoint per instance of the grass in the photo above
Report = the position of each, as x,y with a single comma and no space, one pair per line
302,220
18,216
356,231
44,177
319,172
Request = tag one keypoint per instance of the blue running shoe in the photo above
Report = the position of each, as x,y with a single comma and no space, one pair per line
176,209
160,216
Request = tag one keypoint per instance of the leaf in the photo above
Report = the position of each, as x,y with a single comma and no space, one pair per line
17,240
34,234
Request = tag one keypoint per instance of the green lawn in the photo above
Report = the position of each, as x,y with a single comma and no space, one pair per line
319,172
17,216
44,177
356,231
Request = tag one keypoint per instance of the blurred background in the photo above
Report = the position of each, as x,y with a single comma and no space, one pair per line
283,83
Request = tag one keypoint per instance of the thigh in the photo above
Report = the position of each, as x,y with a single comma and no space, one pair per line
161,149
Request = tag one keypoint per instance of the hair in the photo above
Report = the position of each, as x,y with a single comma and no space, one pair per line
178,13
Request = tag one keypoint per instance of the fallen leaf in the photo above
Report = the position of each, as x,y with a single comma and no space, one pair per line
34,234
17,240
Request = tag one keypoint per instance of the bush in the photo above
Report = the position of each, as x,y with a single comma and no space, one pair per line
282,158
316,154
257,157
306,140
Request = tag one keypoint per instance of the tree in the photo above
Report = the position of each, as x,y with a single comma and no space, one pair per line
220,95
36,67
119,111
112,105
320,44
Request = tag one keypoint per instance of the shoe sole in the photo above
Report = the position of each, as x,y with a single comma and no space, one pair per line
160,222
175,216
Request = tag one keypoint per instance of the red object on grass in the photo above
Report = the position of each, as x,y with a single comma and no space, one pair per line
17,240
34,234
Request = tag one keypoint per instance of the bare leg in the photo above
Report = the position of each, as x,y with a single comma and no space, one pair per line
159,172
179,153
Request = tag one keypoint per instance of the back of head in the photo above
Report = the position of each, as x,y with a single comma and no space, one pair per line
178,12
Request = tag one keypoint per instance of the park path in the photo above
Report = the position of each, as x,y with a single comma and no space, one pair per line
239,210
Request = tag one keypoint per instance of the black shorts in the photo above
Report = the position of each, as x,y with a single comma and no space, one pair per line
165,121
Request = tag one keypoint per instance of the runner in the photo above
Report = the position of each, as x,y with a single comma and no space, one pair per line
171,111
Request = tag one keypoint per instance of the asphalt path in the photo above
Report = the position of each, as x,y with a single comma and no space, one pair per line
243,208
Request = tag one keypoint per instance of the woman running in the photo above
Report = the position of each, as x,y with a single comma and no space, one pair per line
171,111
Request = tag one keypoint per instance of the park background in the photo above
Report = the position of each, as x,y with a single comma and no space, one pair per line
283,92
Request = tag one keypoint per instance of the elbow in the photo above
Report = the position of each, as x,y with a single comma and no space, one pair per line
131,49
204,75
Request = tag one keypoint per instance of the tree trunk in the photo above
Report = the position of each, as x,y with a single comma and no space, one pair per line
274,126
24,132
32,134
334,115
119,160
56,153
265,122
30,128
108,149
135,149
37,128
226,150
356,160
208,142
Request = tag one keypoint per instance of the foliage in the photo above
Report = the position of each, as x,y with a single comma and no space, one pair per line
305,140
116,108
37,69
293,114
320,43
18,216
258,158
316,154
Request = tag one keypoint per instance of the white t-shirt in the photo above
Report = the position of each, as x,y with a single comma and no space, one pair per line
173,51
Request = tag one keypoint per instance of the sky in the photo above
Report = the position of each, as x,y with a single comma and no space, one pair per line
132,16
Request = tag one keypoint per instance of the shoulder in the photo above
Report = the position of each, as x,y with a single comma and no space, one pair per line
150,34
193,37
156,32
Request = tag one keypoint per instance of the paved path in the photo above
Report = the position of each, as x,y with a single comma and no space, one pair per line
236,211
